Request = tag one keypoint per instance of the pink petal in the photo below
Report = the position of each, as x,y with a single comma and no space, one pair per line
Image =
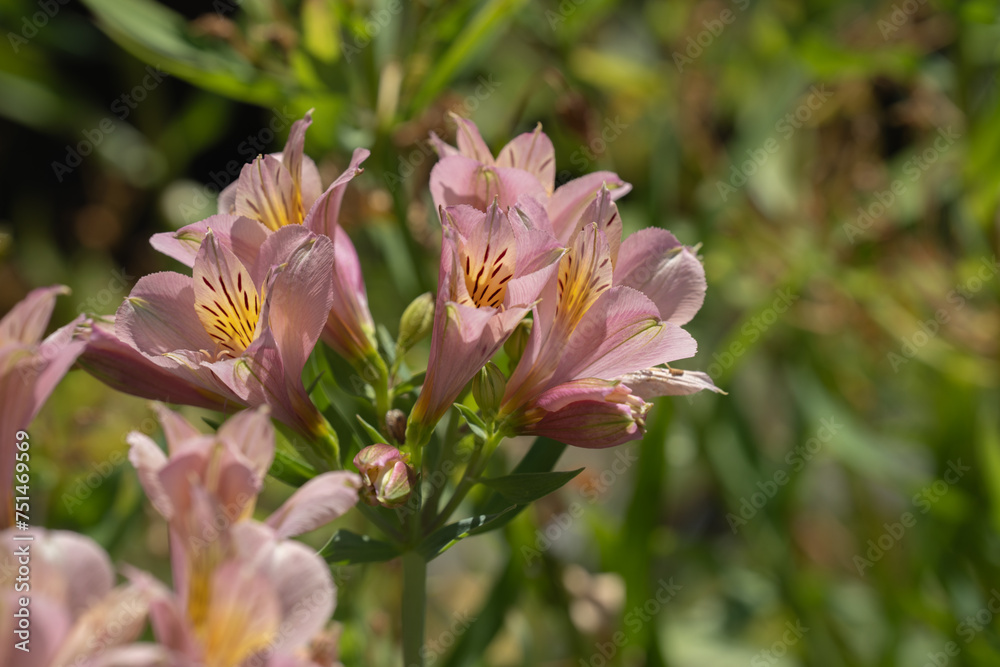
458,180
602,210
533,152
176,429
443,149
294,149
324,215
267,193
301,579
621,333
148,460
654,262
242,235
652,382
251,433
570,200
121,367
318,502
300,296
470,142
158,317
115,620
27,320
590,424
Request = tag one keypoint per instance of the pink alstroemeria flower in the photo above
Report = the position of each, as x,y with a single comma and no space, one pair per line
283,189
587,333
526,166
261,605
76,615
29,370
493,267
209,484
239,332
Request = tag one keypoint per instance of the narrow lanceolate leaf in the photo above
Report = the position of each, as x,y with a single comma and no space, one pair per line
371,431
443,539
476,424
346,548
527,487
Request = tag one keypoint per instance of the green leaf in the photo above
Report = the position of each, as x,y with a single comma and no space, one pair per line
526,487
475,422
542,456
444,538
476,35
347,548
373,433
163,38
289,470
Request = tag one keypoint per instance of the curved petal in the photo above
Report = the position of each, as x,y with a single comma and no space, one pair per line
570,200
122,367
652,382
470,142
148,460
591,424
251,433
654,262
158,317
300,296
457,180
621,333
27,320
267,193
242,235
324,215
533,152
301,579
318,502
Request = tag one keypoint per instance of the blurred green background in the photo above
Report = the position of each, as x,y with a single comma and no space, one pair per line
839,162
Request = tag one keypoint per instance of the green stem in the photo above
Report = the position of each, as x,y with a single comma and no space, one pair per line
372,515
472,472
414,608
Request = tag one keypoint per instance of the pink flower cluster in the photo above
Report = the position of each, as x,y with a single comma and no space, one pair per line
243,594
606,312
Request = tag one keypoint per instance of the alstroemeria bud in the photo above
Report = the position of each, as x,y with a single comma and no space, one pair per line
487,388
387,478
514,347
416,322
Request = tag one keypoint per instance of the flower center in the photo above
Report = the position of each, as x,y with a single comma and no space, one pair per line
486,276
228,307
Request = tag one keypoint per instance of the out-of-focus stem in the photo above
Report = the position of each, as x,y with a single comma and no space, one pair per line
414,608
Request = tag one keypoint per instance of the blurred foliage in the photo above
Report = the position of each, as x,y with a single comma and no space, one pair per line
840,164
